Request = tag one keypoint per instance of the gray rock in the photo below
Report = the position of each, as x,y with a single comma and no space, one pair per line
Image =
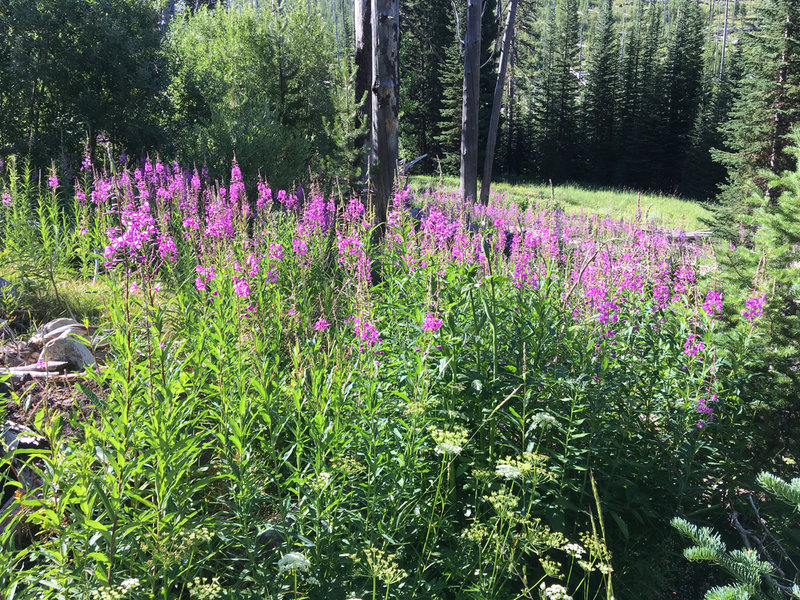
78,331
49,328
68,348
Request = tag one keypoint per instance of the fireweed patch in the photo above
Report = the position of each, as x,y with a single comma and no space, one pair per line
292,407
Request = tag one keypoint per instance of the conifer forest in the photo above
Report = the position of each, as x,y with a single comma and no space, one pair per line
400,299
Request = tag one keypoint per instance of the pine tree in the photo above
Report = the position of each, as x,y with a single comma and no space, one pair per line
516,156
557,94
767,100
599,97
701,174
683,83
449,125
642,153
428,26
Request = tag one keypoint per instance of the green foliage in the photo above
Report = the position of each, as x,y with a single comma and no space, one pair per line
72,68
428,30
556,97
767,101
518,445
763,261
451,78
754,578
259,84
599,96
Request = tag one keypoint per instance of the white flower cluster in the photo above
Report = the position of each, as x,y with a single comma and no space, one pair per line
202,589
507,471
543,420
294,561
575,550
450,443
555,592
320,481
116,592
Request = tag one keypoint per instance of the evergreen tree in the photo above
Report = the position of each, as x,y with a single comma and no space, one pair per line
758,210
767,100
629,91
516,155
701,174
556,97
642,153
683,82
448,139
599,97
426,30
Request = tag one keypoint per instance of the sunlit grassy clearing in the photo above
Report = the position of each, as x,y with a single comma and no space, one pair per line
672,212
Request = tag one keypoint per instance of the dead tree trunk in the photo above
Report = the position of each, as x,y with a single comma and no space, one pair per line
385,45
497,102
167,12
469,111
724,42
362,21
780,127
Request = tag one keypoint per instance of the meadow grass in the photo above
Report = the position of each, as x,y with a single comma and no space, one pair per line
669,211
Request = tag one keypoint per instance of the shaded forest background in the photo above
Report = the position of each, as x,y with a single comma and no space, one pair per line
635,93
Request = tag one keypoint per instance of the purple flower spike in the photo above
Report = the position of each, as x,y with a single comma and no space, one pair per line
432,323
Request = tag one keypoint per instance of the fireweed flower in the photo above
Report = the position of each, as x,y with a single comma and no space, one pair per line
354,210
241,287
204,276
264,195
52,181
432,323
275,251
321,325
713,303
754,307
6,199
86,164
366,332
692,347
704,409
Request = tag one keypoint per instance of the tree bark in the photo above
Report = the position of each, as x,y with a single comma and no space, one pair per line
780,125
469,111
167,12
385,108
362,21
497,103
724,42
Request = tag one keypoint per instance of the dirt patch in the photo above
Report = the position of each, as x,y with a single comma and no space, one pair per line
53,397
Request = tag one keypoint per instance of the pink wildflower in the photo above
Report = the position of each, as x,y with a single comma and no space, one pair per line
432,323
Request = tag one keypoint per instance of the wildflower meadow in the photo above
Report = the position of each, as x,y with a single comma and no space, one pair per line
488,402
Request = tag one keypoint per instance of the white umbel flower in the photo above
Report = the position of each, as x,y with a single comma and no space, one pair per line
557,592
507,471
294,561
